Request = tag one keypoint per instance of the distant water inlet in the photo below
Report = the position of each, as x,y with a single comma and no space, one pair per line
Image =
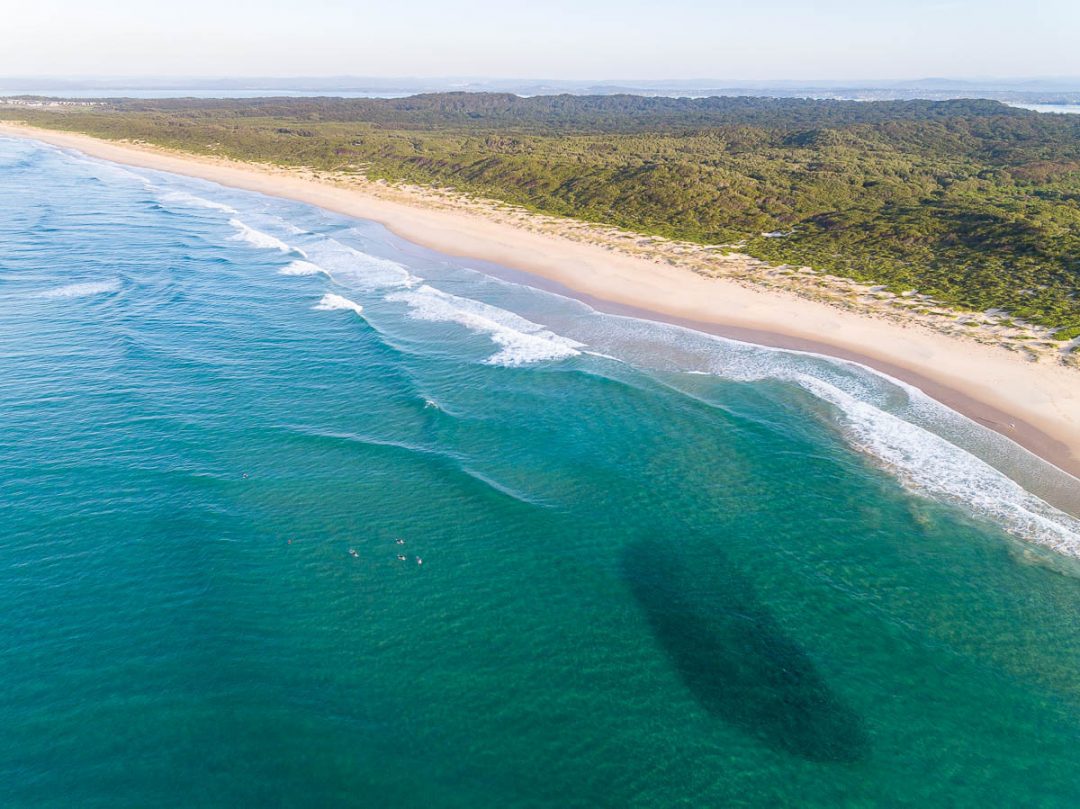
734,657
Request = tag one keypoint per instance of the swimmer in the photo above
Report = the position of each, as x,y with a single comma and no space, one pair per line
401,557
399,541
419,561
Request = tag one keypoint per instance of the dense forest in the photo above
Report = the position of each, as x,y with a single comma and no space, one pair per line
973,202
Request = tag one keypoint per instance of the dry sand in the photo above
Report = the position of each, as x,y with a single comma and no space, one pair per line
1036,404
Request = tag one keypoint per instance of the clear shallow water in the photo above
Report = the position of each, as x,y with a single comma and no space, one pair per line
659,568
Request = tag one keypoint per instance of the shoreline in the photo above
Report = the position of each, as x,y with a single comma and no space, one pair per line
1036,405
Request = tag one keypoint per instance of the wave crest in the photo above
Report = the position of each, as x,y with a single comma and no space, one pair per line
521,341
257,238
350,266
933,450
930,463
331,302
301,268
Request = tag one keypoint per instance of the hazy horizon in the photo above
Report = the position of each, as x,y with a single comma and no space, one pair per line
1030,90
769,41
415,77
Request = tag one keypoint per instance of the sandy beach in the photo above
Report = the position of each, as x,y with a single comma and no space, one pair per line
1034,403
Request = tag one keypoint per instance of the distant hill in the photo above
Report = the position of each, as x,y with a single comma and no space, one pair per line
1026,90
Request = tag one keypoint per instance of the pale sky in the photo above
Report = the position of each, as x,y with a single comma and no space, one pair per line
558,39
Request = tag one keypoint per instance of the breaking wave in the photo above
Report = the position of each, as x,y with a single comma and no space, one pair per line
331,302
349,266
256,238
521,341
930,463
929,447
301,268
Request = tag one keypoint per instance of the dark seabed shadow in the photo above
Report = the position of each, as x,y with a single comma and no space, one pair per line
736,660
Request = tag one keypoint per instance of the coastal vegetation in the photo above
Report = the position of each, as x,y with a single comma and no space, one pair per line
971,202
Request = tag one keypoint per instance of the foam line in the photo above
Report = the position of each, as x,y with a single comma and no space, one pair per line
351,267
256,238
302,268
930,463
331,302
521,341
887,419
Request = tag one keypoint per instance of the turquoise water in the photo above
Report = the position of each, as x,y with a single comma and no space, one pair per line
659,568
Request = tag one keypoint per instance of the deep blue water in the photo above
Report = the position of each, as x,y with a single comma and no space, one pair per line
659,568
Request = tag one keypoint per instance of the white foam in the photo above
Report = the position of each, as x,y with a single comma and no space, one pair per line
301,268
331,302
930,463
349,266
888,419
246,233
193,201
82,290
521,340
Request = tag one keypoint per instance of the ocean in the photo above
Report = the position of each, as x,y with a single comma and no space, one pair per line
296,513
1057,109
